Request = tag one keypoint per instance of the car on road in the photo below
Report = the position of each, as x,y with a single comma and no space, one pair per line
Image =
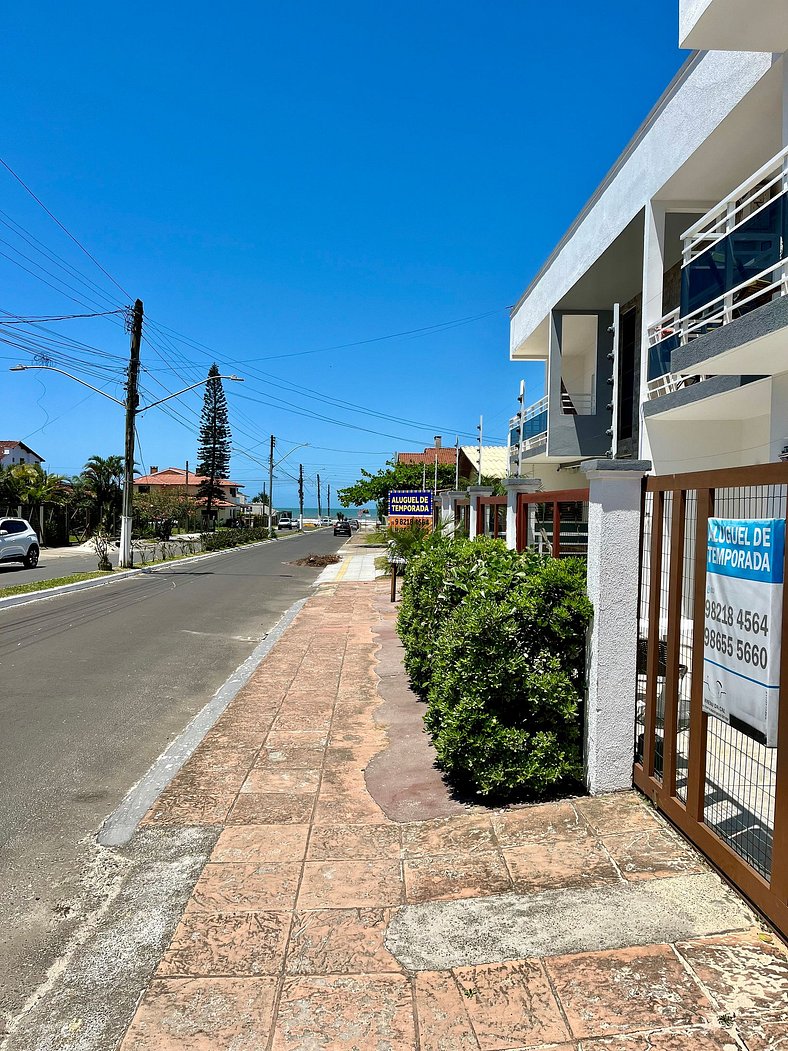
325,521
342,528
354,524
285,521
18,542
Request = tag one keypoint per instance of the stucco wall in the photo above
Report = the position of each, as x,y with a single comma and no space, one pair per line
710,86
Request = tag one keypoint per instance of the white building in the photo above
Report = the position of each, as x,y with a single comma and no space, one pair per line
15,452
662,314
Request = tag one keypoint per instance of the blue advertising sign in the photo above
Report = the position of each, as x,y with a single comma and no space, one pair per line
743,624
410,503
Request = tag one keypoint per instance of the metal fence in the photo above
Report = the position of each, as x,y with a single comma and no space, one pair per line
718,779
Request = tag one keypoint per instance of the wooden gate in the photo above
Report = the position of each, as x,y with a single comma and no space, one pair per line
722,783
491,516
554,523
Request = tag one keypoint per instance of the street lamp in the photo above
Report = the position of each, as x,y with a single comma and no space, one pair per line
132,411
273,465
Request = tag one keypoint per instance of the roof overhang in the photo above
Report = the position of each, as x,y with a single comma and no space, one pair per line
721,25
679,130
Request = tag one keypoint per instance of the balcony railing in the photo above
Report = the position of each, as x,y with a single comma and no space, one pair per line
734,259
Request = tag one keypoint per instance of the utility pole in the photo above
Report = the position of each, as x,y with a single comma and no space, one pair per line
479,429
126,558
186,497
328,509
271,484
424,475
457,463
435,480
319,505
301,496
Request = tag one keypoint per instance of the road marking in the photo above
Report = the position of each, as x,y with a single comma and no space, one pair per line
119,827
220,635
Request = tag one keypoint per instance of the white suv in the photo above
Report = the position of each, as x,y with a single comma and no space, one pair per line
18,542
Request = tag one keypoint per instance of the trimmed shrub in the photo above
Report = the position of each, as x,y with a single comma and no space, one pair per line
437,581
506,683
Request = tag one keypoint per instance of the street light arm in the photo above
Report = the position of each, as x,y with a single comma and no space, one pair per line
177,394
303,445
51,368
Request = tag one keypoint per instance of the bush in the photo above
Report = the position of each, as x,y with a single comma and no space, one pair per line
505,697
437,580
496,642
227,538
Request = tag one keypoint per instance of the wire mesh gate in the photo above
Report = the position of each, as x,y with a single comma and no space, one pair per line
720,782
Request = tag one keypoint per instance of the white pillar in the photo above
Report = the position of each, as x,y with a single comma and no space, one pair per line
653,282
448,510
613,549
515,486
475,491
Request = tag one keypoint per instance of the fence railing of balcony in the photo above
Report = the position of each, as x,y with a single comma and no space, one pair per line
577,404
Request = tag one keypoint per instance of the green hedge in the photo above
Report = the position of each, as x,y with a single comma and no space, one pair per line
226,538
496,642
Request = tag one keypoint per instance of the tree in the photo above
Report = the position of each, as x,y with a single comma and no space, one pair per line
103,476
163,508
33,488
213,452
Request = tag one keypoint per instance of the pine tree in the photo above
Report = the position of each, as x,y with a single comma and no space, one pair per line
213,452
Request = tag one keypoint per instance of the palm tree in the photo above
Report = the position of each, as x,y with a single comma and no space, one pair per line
104,477
36,488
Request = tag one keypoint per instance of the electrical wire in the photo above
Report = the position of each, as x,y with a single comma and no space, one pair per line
67,232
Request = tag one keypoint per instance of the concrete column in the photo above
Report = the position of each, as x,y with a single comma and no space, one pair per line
514,486
778,416
448,510
653,281
475,491
613,549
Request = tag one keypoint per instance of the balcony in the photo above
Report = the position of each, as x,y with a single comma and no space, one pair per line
735,260
535,421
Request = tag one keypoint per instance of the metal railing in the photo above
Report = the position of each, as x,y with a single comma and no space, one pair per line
749,227
578,404
750,197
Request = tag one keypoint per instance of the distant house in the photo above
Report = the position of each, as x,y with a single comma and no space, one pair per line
495,459
12,453
188,483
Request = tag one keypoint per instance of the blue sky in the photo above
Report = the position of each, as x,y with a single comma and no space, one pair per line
277,179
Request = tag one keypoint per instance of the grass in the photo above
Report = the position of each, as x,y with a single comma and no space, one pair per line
376,539
382,564
43,585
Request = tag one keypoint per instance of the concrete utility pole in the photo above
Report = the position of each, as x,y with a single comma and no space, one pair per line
456,463
479,429
424,475
271,484
301,496
328,508
126,558
319,505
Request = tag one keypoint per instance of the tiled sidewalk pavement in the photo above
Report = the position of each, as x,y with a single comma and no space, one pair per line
282,946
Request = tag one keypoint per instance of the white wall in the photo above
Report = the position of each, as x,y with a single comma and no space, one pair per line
711,85
678,446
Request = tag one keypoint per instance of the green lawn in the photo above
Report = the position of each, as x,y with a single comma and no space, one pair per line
43,585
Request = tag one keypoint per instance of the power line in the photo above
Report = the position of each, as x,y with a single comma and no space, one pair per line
67,232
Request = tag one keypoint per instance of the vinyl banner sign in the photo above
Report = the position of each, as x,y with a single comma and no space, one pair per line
743,624
415,503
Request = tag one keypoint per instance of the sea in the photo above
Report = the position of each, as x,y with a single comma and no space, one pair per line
311,512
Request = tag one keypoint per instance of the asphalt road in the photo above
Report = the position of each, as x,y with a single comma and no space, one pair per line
93,687
51,565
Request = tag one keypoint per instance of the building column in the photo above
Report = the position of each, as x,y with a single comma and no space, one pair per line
474,492
651,310
515,486
448,510
614,508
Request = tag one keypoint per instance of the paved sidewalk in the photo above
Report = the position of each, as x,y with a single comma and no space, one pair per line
357,566
320,922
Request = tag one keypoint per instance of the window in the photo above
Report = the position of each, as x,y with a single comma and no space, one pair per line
143,488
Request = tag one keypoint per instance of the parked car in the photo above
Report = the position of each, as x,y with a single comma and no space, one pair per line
325,521
342,528
18,542
285,520
354,524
